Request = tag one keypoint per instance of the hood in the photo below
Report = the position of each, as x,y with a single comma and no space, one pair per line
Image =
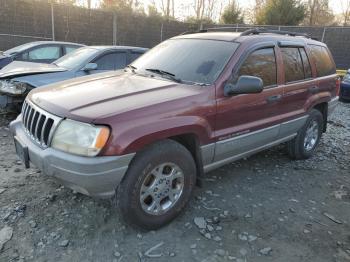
38,80
18,68
102,95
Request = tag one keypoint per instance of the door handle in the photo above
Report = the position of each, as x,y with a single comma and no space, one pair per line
314,89
274,98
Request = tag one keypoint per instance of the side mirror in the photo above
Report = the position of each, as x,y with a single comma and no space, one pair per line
90,67
244,85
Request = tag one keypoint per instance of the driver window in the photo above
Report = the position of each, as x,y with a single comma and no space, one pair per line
261,63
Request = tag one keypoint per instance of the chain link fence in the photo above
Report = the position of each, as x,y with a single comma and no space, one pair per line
24,21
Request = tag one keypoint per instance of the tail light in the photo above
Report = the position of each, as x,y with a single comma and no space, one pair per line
337,84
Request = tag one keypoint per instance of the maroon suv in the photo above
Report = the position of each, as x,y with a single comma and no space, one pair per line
190,105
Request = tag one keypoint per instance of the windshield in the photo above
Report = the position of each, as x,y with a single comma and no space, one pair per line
76,58
191,60
19,48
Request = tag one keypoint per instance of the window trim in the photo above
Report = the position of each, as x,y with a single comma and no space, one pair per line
251,50
308,59
288,43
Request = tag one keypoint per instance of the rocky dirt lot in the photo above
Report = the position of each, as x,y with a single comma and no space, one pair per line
265,208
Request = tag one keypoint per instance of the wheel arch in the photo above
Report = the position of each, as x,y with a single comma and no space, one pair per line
192,144
323,108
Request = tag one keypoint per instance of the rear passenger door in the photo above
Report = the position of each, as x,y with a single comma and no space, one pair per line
299,85
250,121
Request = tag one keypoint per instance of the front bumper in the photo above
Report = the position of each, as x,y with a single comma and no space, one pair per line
93,176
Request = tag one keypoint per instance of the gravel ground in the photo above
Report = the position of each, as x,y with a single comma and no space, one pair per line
265,208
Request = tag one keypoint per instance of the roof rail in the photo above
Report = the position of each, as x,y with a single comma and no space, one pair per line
254,31
257,31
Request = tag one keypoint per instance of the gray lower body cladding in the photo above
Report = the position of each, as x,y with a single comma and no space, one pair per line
93,176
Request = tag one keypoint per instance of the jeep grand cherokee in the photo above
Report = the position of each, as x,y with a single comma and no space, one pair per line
192,104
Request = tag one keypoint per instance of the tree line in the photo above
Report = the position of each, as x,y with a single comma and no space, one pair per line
263,12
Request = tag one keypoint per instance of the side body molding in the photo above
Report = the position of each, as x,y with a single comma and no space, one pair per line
217,154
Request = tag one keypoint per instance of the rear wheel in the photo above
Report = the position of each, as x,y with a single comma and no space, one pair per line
157,185
305,143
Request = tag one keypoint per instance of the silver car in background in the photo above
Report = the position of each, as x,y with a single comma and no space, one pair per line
18,78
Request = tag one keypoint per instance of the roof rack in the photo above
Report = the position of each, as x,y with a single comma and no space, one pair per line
254,31
257,31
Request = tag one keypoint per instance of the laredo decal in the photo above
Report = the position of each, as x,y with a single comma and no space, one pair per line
234,135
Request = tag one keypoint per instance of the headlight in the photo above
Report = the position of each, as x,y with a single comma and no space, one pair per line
80,138
13,88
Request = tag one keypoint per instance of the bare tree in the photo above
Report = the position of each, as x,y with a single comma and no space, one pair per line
211,9
199,6
345,5
319,13
250,14
173,8
167,8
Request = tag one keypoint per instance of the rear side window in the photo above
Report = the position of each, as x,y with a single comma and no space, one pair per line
293,65
306,63
323,61
261,63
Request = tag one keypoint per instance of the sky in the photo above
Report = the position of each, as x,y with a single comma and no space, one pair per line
183,7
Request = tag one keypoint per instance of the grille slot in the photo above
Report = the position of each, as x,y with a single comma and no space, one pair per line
38,124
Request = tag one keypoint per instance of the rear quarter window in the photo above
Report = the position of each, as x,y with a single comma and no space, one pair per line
323,61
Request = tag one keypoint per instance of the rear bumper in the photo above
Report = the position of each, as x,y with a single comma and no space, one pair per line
332,105
93,176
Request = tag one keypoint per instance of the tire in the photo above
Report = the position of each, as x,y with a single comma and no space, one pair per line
142,178
297,148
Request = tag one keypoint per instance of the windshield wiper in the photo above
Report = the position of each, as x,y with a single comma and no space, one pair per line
168,75
132,68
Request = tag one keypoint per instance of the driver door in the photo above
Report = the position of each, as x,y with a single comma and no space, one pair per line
247,122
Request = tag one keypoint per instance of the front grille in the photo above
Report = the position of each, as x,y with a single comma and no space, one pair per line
38,124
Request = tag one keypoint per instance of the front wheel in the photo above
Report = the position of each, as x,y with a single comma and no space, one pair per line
305,143
157,185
